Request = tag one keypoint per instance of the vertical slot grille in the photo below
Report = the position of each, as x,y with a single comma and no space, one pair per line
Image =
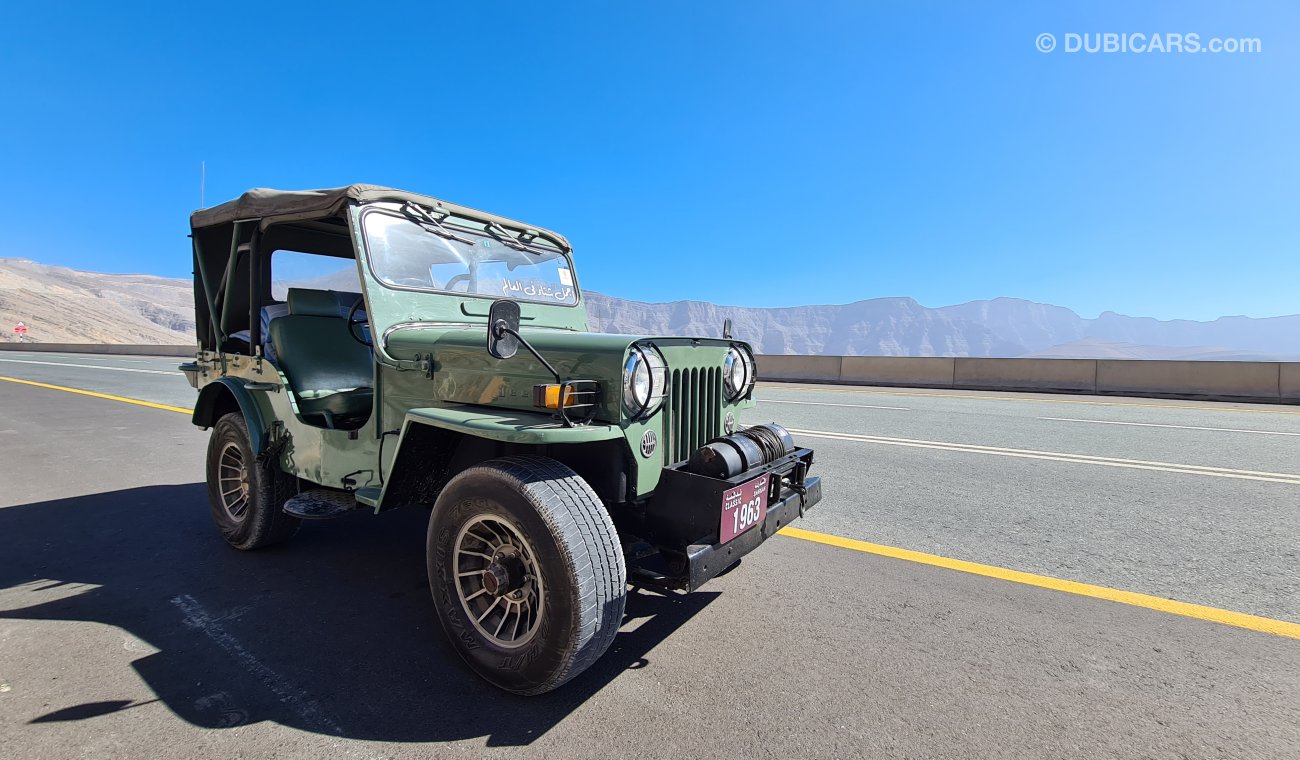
694,408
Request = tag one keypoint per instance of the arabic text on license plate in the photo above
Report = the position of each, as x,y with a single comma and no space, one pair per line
743,507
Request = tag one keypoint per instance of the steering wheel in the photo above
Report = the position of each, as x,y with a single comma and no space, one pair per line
353,322
453,282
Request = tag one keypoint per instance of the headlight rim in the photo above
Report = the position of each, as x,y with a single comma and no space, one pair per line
750,372
647,356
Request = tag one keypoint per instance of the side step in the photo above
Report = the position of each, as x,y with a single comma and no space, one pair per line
320,504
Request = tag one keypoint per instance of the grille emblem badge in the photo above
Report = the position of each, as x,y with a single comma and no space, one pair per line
649,442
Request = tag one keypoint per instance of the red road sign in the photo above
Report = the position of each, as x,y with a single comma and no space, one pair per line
20,329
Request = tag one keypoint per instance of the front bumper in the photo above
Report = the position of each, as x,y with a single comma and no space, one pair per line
678,530
704,561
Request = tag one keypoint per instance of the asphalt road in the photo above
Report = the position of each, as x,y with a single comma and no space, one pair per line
127,628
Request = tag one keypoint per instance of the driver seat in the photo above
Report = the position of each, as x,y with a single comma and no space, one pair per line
330,373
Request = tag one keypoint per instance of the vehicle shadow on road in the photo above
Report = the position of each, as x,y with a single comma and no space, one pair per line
333,632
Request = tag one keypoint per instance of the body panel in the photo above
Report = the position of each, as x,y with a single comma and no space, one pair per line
521,427
318,455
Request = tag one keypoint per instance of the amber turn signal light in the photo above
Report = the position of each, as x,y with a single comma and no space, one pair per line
548,396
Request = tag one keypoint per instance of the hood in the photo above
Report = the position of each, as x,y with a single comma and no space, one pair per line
464,372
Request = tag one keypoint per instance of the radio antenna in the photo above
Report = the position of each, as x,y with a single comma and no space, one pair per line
203,181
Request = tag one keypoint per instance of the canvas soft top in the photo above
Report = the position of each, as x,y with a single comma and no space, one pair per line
266,203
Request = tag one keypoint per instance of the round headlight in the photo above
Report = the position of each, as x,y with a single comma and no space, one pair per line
737,372
645,381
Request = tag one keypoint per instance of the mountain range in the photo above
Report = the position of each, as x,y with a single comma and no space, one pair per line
62,305
1001,327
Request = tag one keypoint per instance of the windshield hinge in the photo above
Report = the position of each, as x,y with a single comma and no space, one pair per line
421,363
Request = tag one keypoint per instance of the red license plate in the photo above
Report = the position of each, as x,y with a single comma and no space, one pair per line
743,507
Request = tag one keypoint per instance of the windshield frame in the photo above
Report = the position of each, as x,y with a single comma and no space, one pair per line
451,223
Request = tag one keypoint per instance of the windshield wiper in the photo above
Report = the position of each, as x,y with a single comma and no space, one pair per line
422,217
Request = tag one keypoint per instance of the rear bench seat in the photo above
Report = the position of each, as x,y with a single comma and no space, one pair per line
274,311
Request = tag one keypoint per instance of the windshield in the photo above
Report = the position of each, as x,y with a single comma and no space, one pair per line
407,254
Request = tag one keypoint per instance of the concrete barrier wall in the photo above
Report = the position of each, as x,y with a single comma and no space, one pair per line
897,370
1028,374
118,349
789,367
1289,382
1246,379
1242,381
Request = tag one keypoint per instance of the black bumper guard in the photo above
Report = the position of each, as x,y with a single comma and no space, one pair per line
680,525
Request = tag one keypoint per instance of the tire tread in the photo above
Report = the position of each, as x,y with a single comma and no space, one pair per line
585,530
268,524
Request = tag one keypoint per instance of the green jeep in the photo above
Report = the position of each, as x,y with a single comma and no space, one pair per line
369,347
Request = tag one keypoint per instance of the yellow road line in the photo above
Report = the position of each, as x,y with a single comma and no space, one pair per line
838,389
123,399
1185,609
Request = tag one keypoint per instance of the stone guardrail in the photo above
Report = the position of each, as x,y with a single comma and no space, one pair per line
1275,382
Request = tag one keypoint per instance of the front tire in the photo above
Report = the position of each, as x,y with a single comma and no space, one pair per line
246,492
527,573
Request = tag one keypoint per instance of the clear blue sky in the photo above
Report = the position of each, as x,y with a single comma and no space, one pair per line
750,153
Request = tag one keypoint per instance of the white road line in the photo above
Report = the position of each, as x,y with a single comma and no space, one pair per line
978,447
1179,427
823,403
97,357
92,357
198,618
94,366
1056,456
79,357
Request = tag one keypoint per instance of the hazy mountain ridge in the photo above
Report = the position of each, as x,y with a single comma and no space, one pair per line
877,327
1000,327
63,305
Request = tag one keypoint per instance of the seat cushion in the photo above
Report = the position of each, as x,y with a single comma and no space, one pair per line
351,404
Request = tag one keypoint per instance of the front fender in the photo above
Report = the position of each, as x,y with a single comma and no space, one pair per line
225,395
510,425
433,446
